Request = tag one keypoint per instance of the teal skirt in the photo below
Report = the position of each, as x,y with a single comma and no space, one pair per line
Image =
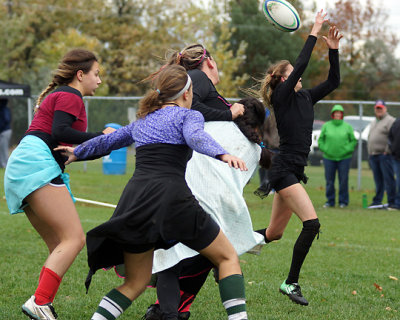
30,167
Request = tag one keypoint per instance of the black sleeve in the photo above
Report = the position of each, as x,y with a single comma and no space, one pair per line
211,114
323,89
287,87
203,89
63,132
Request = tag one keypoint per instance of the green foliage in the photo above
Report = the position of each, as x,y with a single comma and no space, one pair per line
229,63
129,37
265,44
366,51
30,24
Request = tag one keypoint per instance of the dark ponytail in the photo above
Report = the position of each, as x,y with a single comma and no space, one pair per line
251,125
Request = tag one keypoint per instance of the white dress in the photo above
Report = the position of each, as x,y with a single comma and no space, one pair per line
219,190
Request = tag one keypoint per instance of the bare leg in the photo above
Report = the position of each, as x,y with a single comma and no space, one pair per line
137,273
137,276
297,199
53,214
291,199
222,254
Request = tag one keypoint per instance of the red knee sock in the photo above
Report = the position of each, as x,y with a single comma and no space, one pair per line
41,273
48,287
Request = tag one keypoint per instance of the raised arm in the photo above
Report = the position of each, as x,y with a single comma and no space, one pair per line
323,89
302,60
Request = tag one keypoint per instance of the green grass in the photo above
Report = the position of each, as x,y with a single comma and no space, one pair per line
357,248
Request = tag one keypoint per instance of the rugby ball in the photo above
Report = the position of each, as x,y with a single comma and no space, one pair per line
282,15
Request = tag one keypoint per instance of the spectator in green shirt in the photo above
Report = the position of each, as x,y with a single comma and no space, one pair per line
337,142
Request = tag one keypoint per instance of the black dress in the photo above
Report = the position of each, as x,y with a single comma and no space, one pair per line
156,210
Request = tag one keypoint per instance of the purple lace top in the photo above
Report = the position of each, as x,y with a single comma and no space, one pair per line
171,125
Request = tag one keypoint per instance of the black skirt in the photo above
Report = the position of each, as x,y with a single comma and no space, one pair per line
156,210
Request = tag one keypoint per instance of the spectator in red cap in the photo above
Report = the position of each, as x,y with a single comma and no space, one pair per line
380,158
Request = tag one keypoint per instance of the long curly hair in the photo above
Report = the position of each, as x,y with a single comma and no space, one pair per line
251,124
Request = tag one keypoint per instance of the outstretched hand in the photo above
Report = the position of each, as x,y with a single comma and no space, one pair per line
109,130
319,21
68,152
233,161
332,41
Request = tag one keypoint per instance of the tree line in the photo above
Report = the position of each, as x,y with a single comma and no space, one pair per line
131,38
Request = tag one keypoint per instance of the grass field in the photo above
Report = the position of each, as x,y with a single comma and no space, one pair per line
358,251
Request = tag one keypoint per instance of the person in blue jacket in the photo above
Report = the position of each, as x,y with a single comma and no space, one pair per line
337,142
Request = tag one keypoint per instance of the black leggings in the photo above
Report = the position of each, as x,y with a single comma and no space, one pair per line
178,286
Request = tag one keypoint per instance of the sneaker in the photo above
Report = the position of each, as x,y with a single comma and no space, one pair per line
342,205
327,205
375,206
293,291
153,313
37,312
393,208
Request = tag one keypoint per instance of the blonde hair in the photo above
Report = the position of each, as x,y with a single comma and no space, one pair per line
71,63
168,82
271,80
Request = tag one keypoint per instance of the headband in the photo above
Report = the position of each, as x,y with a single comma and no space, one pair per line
187,85
202,57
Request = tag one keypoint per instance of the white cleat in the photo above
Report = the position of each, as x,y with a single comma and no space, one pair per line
37,312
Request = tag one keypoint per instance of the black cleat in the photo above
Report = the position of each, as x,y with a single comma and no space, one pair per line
293,291
153,313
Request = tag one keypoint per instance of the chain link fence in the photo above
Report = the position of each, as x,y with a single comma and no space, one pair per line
122,110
